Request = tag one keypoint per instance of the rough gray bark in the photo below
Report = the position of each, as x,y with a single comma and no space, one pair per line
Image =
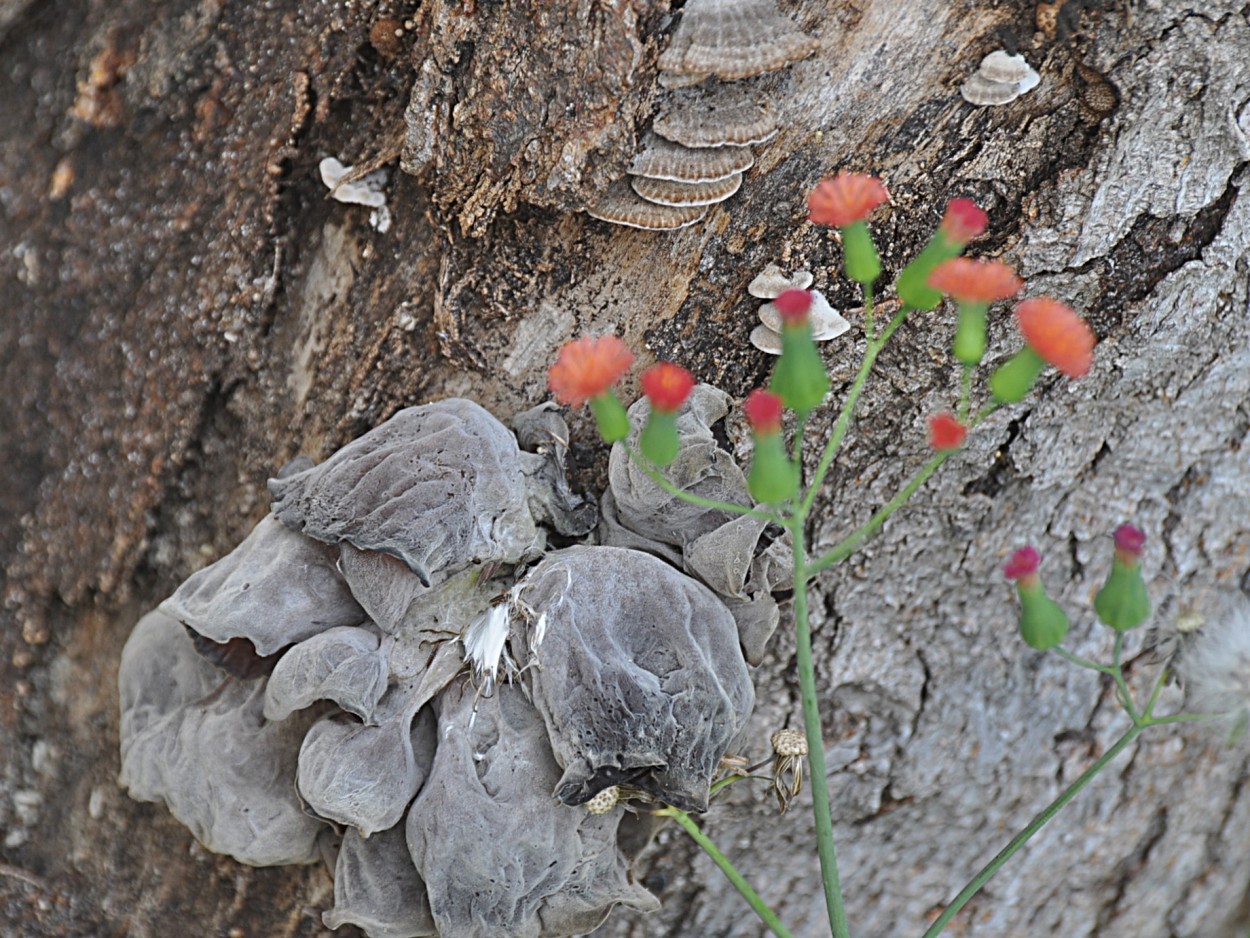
185,311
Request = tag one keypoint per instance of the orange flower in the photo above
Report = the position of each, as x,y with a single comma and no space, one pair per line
963,221
975,281
845,199
1056,333
945,432
667,386
763,410
587,368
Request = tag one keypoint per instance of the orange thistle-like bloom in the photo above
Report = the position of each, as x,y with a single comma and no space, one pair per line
963,221
667,386
975,281
845,199
945,432
587,368
793,306
763,410
1056,333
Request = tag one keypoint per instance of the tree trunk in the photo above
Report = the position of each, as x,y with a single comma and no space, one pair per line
185,310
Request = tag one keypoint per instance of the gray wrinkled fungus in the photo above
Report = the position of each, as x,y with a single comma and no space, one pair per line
392,662
556,869
644,687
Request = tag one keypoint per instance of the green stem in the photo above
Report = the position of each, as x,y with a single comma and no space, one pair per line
848,410
815,739
1025,835
1117,674
852,542
1081,662
965,393
659,479
767,915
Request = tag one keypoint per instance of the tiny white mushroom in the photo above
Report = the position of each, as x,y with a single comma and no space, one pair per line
365,191
826,322
1001,78
766,340
770,282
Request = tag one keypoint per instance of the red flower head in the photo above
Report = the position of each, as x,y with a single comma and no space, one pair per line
945,432
793,306
587,368
667,386
763,410
1057,334
975,281
963,221
845,199
1129,540
1023,564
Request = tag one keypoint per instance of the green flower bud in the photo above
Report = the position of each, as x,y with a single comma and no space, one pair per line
1123,602
862,263
799,379
970,333
610,417
1016,377
774,478
659,437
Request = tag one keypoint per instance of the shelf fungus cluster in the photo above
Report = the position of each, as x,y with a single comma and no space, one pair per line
827,322
1000,79
700,142
395,675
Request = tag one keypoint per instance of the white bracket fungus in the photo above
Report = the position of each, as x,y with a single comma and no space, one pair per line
999,79
364,191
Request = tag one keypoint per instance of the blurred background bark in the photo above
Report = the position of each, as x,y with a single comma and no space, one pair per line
184,310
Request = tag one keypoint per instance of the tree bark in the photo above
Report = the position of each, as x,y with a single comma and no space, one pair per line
185,311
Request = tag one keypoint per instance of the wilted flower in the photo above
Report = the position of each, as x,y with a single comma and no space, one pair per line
1214,662
946,432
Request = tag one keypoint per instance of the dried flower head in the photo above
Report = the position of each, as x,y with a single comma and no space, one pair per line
845,199
763,410
1214,661
667,386
963,221
587,368
946,432
1056,333
790,747
975,281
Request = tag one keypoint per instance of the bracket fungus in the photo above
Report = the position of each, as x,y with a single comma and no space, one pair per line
728,39
1000,79
311,687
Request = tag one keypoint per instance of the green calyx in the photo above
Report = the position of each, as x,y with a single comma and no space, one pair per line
913,286
970,333
773,478
799,379
1016,377
1043,624
610,417
1123,602
659,437
862,263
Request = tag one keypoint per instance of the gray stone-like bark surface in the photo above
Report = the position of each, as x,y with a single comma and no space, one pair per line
185,310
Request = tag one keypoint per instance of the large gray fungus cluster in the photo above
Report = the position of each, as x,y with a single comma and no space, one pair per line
395,675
